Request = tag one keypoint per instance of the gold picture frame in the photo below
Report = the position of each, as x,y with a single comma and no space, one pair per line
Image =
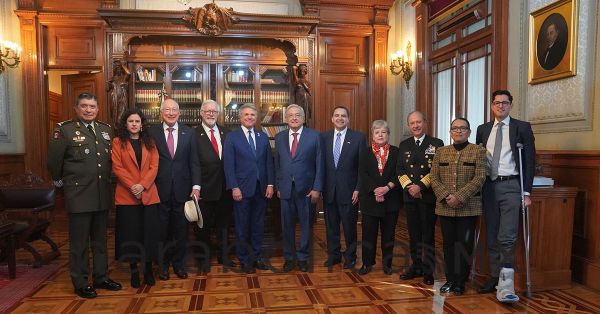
553,42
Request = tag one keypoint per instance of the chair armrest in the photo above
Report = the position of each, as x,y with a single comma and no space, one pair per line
42,208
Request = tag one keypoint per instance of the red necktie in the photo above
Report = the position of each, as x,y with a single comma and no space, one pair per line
294,144
171,142
213,140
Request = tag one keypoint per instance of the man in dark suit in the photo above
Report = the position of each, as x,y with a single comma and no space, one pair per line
414,164
555,50
249,175
215,202
177,180
79,160
299,165
501,191
342,148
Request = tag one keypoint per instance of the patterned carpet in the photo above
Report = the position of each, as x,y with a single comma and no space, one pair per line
318,291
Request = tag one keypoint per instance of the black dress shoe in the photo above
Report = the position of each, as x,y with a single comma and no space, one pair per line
108,284
331,262
86,292
248,269
428,279
413,272
227,262
458,289
349,264
489,286
164,275
303,266
388,270
288,266
135,279
261,265
447,287
365,269
181,274
149,278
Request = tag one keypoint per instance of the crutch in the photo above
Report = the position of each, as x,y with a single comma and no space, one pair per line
525,214
475,246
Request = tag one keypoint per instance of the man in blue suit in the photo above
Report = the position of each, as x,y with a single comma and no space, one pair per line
299,165
343,147
177,180
249,175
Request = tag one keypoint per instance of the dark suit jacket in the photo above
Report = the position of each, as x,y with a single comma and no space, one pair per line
211,166
177,176
342,181
414,165
243,168
519,132
371,179
554,54
306,169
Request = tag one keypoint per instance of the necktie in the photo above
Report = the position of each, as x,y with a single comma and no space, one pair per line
213,140
91,130
337,149
497,149
171,142
294,144
251,141
418,142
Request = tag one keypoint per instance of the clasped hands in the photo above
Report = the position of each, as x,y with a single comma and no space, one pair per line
453,201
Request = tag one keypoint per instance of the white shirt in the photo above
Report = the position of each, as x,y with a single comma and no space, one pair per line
292,136
175,134
342,137
217,136
246,135
420,139
507,166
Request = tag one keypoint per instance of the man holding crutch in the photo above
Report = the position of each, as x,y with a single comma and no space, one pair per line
502,190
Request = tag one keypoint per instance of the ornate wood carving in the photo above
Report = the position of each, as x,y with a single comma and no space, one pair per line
211,20
27,4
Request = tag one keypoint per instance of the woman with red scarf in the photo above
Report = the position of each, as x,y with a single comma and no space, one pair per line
379,197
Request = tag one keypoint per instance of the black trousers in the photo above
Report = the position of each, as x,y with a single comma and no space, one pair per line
420,218
387,226
347,215
85,230
458,234
136,238
174,229
217,217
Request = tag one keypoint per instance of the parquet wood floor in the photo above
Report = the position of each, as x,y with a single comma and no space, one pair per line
320,290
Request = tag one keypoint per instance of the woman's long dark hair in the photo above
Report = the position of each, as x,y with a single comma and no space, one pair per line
123,134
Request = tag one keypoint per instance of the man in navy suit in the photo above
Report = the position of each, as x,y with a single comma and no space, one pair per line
249,175
177,180
501,191
342,148
299,165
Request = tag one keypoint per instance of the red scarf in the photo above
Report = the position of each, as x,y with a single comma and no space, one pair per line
381,156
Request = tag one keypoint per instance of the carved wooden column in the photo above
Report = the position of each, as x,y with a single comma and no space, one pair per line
422,72
378,90
35,112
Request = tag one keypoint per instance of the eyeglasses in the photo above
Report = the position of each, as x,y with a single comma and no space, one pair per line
210,111
170,110
501,103
459,129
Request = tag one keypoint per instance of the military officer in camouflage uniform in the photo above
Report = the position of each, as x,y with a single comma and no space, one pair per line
79,160
414,164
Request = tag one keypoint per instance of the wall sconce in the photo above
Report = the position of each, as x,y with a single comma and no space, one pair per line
401,64
9,55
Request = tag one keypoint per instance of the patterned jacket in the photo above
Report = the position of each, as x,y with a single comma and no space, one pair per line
461,173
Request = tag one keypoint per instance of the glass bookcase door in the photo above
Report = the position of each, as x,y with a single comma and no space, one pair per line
148,85
274,98
238,88
187,89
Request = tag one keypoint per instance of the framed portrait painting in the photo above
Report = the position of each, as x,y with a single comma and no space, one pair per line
553,42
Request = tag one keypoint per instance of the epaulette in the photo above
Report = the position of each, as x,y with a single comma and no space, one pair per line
64,122
108,125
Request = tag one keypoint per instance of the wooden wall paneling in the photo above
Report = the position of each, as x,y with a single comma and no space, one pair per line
73,47
346,15
11,164
499,77
377,63
343,54
423,84
582,170
346,90
88,6
55,111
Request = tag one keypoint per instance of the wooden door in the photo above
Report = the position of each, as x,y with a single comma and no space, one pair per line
75,84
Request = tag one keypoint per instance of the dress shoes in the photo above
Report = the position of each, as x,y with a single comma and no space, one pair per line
288,266
413,272
149,278
365,269
261,265
428,279
303,266
331,262
247,268
458,289
226,262
349,264
135,279
489,286
86,292
164,275
181,274
447,287
388,270
108,284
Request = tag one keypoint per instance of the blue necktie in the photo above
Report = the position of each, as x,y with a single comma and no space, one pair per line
251,141
337,149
